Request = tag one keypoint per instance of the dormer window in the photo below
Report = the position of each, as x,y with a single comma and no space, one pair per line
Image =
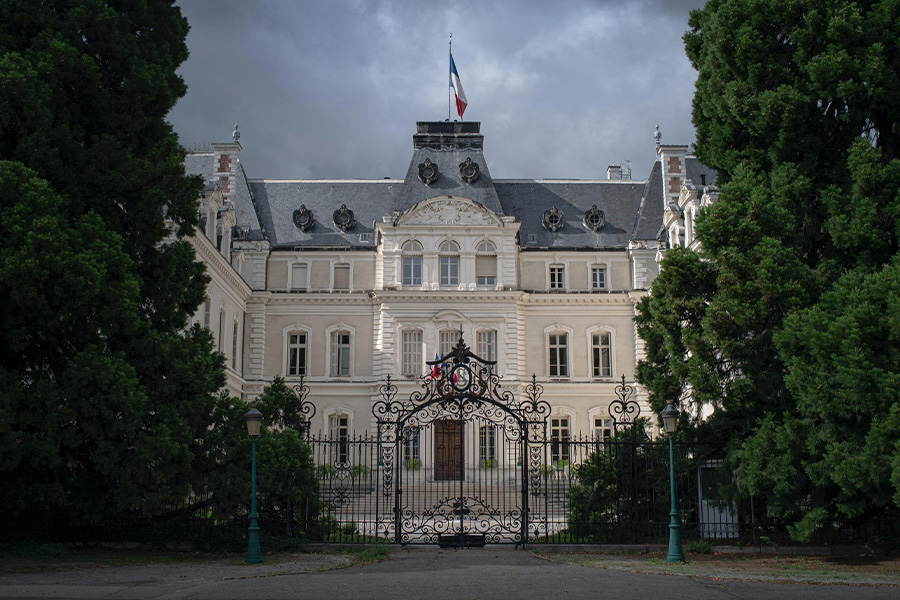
303,218
468,171
594,219
428,172
343,218
553,219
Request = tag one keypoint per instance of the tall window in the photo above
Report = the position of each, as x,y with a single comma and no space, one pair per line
449,253
598,278
447,341
603,429
487,443
410,445
339,434
299,276
234,345
601,353
486,264
557,277
340,353
207,308
412,263
411,351
222,331
296,354
487,344
341,276
559,438
559,356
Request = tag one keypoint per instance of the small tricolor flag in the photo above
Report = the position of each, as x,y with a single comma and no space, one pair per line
461,102
434,370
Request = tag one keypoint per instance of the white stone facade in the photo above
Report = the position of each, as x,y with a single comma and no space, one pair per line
347,308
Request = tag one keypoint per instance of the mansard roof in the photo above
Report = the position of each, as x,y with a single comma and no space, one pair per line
527,200
633,210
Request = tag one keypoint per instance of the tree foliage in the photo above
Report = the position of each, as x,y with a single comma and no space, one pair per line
106,397
774,324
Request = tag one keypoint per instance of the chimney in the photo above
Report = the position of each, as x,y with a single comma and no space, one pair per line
614,172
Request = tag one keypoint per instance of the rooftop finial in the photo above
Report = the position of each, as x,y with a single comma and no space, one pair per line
657,136
236,135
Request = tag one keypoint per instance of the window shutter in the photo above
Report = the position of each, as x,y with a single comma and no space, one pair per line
342,277
486,266
298,277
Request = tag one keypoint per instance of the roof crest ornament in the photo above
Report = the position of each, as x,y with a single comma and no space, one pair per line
236,135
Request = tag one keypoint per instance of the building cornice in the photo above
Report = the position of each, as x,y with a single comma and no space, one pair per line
214,261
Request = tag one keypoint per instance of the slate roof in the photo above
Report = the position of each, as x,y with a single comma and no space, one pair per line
277,200
527,201
649,217
694,169
633,210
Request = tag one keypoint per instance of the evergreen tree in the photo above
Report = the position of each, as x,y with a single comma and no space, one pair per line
797,106
105,394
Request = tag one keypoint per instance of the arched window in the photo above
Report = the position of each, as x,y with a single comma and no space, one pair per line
296,352
558,354
412,263
601,349
486,264
340,338
449,254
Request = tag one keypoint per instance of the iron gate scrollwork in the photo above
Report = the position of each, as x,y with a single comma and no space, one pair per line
461,459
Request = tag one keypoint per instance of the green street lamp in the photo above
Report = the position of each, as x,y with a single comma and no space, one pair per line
670,421
254,421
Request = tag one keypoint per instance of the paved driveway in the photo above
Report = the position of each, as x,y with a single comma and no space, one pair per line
409,574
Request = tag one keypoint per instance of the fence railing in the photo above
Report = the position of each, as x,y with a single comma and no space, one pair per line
587,490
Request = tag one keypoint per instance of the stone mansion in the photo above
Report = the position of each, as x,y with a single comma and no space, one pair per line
347,281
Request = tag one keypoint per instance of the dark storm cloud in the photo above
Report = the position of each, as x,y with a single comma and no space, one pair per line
334,88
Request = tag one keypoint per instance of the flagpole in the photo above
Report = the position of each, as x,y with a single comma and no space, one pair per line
449,68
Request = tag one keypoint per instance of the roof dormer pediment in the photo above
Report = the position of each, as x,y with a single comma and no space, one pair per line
448,210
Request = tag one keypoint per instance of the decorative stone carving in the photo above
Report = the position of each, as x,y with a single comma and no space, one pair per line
553,219
449,212
428,172
343,218
594,219
303,218
469,171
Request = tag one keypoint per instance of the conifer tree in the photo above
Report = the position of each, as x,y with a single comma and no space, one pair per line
792,338
105,393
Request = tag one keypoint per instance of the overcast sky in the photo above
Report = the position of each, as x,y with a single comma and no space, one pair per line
333,88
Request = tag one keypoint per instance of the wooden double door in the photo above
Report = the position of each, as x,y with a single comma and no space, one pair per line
449,455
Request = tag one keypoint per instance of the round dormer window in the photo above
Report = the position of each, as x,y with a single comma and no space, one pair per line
303,218
553,219
343,218
428,172
594,219
468,171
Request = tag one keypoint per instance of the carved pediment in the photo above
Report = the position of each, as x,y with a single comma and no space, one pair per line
448,210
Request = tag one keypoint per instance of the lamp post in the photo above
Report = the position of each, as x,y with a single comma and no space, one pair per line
670,421
254,420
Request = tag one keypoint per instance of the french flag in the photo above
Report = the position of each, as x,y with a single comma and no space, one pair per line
461,102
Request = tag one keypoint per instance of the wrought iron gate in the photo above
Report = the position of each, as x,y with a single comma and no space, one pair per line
461,459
